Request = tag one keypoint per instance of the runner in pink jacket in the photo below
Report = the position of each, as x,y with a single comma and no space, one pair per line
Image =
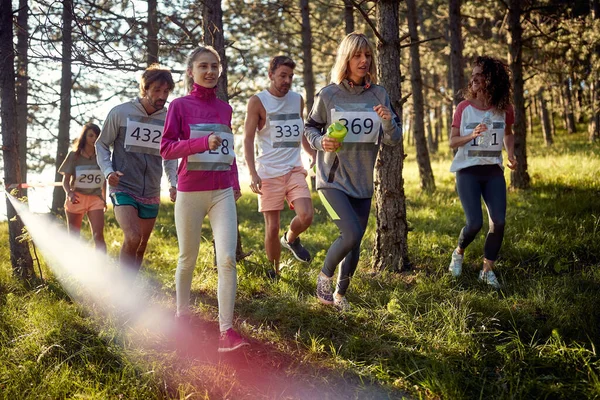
198,131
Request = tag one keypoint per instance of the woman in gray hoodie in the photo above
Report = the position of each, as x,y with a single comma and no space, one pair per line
345,169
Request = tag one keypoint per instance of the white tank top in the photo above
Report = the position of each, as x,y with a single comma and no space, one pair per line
484,150
279,141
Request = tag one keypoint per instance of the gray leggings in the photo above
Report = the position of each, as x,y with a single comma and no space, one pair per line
472,184
351,216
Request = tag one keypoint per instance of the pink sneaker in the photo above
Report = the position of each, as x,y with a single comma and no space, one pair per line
230,340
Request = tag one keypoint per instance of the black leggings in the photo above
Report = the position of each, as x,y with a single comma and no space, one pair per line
351,216
472,184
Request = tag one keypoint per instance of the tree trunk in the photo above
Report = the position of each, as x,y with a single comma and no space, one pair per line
569,115
552,113
416,82
307,71
437,118
529,109
594,125
520,176
20,257
456,51
64,122
348,16
212,18
152,39
22,86
391,236
545,119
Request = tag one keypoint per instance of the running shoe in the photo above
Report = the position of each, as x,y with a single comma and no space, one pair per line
324,292
490,278
455,267
230,340
341,303
296,248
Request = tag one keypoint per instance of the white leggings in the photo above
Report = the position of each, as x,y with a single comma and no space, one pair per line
190,210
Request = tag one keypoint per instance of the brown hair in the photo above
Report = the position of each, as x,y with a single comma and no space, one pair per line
155,73
189,81
80,142
278,61
498,88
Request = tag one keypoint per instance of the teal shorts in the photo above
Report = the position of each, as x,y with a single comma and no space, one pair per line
145,211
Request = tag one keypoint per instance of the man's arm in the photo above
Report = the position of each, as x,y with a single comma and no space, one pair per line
253,112
108,135
305,145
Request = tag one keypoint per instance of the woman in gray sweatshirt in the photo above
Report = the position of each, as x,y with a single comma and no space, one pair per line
345,169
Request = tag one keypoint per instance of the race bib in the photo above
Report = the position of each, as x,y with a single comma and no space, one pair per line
286,130
219,159
363,126
88,177
488,145
143,135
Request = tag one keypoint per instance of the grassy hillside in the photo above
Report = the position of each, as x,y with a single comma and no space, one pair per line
419,333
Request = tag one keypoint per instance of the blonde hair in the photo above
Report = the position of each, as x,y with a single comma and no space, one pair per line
189,81
350,45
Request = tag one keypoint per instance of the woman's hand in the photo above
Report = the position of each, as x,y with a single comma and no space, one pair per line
478,131
383,112
214,141
237,194
512,162
330,144
73,198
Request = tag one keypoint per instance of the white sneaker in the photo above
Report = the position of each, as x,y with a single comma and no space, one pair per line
455,267
341,303
490,278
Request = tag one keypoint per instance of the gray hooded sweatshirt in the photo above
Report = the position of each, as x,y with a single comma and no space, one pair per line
141,170
350,170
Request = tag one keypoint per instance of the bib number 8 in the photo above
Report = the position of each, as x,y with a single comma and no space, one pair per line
358,125
222,149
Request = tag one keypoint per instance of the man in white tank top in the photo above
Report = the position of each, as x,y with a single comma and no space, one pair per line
274,118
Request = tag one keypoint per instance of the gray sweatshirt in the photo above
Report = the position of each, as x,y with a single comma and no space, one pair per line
351,168
141,169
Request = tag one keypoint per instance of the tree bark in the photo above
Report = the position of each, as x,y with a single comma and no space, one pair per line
22,86
416,82
64,122
152,39
307,71
391,236
545,119
20,257
519,177
348,16
594,125
212,18
456,51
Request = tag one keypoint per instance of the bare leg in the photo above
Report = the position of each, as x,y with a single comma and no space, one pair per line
74,223
96,218
136,232
272,245
304,216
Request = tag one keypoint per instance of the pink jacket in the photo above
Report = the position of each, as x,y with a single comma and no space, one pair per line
201,106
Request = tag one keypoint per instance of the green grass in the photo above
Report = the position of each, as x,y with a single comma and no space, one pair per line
418,332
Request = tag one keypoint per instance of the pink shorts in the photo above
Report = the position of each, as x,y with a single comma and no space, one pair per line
87,202
290,187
